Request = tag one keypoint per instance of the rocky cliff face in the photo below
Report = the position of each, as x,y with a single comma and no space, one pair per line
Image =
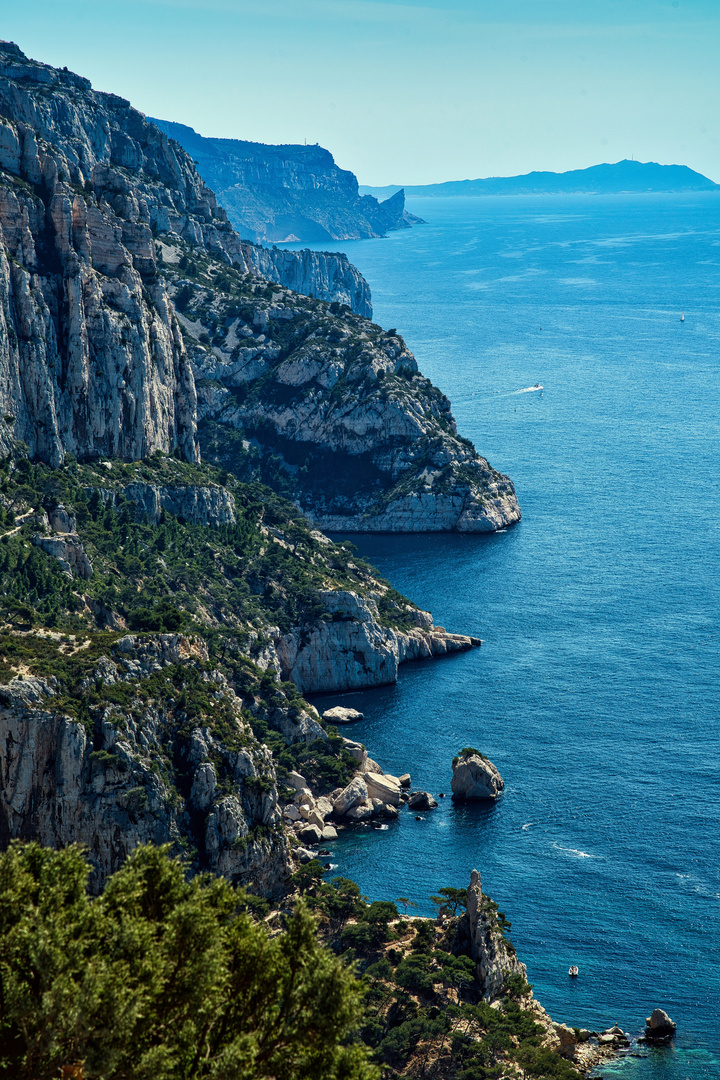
494,956
91,356
104,224
352,649
337,407
138,769
281,193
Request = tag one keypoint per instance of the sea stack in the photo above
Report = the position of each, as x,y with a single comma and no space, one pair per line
475,777
659,1026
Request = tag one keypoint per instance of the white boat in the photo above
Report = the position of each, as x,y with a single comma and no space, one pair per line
574,971
682,317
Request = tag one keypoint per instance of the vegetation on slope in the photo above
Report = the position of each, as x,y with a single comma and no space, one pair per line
229,582
165,978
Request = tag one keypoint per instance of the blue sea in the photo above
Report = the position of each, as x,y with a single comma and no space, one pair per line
596,691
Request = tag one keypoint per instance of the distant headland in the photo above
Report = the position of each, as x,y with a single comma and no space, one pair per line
608,179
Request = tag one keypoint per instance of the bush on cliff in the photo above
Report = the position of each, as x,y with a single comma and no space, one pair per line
163,979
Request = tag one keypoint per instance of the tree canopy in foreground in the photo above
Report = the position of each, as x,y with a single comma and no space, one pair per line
163,978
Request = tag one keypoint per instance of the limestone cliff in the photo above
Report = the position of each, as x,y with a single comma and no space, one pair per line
105,223
329,409
495,957
135,767
280,193
91,357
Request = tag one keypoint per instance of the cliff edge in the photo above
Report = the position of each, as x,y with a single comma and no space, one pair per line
286,193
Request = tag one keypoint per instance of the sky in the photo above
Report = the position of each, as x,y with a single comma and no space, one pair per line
403,91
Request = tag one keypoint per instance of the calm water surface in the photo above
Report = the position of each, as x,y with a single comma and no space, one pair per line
596,689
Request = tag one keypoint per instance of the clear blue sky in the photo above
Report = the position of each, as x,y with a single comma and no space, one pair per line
404,91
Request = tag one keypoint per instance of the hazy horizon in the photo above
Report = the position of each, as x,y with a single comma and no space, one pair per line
404,91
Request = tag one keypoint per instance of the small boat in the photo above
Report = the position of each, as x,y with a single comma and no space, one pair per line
574,971
682,317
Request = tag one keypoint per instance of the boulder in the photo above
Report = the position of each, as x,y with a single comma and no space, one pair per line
341,715
659,1025
316,819
329,833
291,813
303,855
324,806
355,792
310,834
389,812
297,781
386,788
474,777
372,766
421,800
404,780
361,811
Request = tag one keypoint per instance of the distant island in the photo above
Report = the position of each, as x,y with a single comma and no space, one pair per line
285,193
622,177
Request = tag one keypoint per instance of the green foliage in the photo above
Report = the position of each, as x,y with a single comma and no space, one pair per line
162,979
265,569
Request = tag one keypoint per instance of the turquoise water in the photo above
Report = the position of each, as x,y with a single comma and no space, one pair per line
596,689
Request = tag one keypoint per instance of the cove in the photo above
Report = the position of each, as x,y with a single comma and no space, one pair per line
596,689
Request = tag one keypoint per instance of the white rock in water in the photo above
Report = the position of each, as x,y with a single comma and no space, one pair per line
421,800
340,715
474,777
659,1024
386,788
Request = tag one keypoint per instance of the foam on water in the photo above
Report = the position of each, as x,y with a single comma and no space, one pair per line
596,689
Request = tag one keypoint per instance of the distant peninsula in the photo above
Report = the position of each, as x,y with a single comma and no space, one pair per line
608,179
280,194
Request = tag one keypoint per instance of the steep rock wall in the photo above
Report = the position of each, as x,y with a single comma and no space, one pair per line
135,777
91,355
351,648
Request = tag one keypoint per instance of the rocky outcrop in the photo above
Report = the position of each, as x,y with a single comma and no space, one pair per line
281,193
91,355
363,440
352,648
421,800
104,224
340,715
324,275
659,1026
494,956
475,777
199,505
69,552
140,775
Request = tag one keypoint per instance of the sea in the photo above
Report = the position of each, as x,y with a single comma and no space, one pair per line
596,690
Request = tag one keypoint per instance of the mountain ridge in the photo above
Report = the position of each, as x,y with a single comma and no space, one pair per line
621,177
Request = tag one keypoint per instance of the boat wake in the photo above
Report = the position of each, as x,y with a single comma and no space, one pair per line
575,852
528,389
